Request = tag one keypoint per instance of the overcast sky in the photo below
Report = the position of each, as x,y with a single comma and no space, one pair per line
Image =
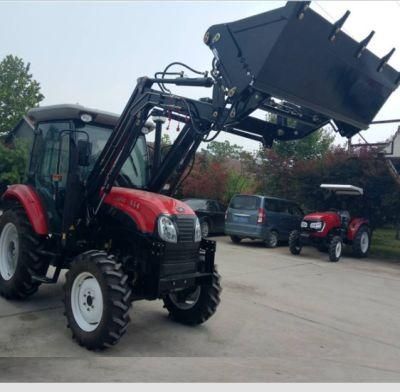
92,52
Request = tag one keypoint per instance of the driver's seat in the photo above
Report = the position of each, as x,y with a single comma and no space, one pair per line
344,218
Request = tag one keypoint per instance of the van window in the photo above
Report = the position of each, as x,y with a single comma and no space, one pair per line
243,202
274,205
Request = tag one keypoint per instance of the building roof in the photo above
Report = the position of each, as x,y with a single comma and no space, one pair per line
70,111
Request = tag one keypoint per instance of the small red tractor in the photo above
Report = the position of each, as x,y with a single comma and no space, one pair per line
95,202
332,229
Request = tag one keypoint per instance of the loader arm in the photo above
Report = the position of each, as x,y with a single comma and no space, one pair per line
290,63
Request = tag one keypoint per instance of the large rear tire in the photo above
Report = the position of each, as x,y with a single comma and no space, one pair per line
195,306
294,242
335,248
21,254
362,242
97,300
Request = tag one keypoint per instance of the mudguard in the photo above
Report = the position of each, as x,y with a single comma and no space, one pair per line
354,226
29,199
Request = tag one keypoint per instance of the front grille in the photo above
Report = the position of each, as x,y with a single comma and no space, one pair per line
185,228
180,258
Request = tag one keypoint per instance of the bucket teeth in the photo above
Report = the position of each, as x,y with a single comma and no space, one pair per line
304,5
337,26
385,59
364,43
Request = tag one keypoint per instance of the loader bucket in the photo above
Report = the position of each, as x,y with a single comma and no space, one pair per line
294,54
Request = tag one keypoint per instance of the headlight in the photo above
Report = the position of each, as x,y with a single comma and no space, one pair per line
166,229
316,225
197,231
303,224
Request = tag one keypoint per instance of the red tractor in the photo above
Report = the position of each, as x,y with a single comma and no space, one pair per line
332,229
96,203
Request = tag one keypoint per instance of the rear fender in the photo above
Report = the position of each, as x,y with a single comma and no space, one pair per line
354,226
29,199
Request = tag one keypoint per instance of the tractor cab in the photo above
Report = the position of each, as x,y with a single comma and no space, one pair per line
335,227
68,140
342,199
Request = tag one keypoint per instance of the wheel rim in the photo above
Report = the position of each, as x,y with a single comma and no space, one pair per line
273,239
9,251
87,301
364,242
185,302
338,249
204,229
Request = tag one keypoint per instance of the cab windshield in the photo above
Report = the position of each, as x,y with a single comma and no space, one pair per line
135,171
51,154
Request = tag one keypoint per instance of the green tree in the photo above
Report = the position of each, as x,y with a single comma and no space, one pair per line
224,150
165,140
238,183
313,146
18,91
13,162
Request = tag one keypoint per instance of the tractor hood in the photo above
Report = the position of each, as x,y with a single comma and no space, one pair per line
320,216
145,207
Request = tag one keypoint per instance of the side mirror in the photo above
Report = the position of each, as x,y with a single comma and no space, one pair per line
84,152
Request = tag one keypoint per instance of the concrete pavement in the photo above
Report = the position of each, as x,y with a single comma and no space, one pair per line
281,318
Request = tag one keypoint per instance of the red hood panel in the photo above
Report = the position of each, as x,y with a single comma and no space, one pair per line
145,207
320,215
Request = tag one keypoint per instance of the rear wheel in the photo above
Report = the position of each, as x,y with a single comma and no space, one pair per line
272,239
362,242
335,248
97,300
294,242
235,239
21,255
195,306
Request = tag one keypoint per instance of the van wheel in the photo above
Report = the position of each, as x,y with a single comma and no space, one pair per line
235,239
272,239
335,248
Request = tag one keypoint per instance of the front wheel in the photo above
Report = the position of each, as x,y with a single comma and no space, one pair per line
335,248
97,300
195,306
362,242
294,242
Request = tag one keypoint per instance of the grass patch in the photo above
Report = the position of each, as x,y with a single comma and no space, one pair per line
384,244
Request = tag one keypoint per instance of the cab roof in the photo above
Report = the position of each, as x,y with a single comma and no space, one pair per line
70,112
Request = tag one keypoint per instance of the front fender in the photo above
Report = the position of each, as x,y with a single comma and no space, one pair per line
33,206
354,226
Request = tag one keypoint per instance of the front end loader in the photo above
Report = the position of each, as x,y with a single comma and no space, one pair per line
97,204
